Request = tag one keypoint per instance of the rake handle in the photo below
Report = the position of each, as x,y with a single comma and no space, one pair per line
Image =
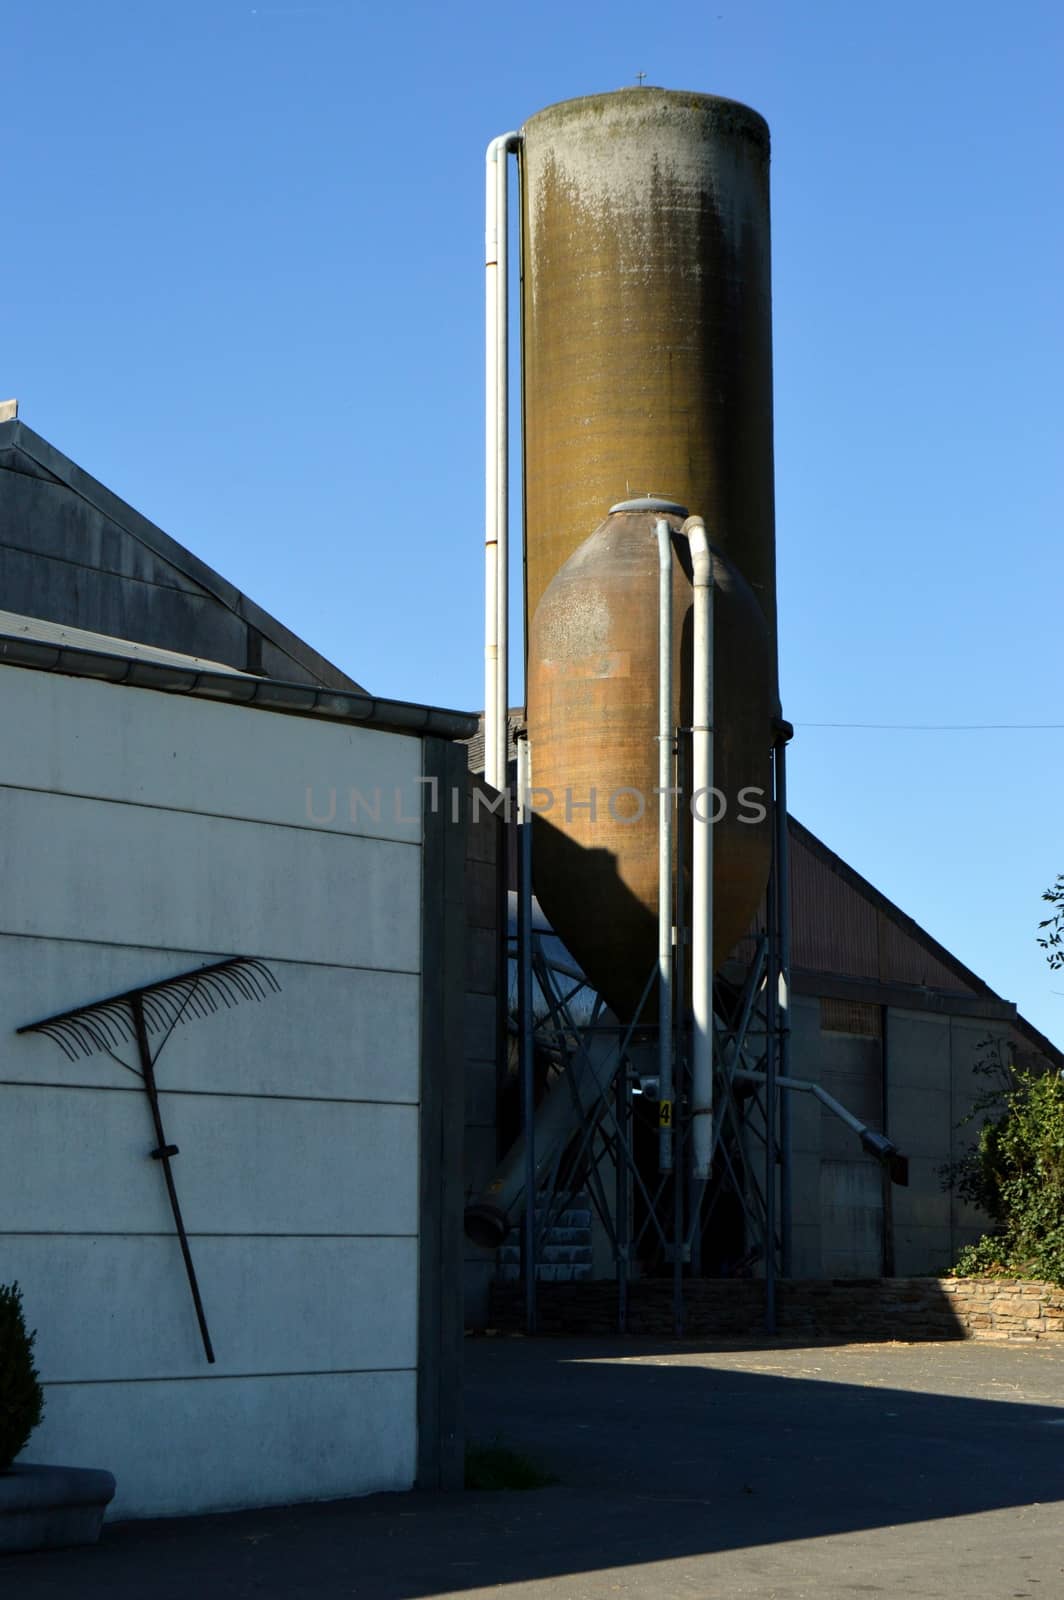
163,1154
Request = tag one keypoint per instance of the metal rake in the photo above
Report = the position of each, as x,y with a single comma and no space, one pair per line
157,1008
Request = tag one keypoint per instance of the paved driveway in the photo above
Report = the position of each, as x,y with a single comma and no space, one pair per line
907,1471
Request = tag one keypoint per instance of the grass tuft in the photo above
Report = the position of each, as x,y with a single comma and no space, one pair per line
494,1466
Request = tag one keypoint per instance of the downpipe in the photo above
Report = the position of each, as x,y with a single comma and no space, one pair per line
496,458
701,855
666,1152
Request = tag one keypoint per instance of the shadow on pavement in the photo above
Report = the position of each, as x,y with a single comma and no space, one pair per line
663,1452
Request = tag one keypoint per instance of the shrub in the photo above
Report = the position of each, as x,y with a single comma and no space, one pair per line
1015,1172
21,1397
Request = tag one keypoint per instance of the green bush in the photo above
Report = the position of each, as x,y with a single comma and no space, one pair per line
21,1397
1015,1172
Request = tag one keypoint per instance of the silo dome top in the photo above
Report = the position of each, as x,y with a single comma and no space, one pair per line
650,502
647,101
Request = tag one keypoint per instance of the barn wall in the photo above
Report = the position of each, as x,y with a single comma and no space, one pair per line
142,835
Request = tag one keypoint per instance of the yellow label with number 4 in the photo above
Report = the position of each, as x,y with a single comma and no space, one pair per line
665,1114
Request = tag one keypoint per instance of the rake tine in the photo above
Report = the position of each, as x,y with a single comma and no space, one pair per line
206,996
203,993
264,973
236,980
112,1024
96,1031
71,1051
156,1014
227,982
197,1002
245,975
223,989
235,984
248,978
86,1038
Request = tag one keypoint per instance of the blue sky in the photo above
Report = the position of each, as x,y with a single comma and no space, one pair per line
243,252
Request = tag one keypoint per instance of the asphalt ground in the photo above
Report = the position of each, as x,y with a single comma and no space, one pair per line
714,1472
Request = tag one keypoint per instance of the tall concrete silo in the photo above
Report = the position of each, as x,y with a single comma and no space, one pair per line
646,371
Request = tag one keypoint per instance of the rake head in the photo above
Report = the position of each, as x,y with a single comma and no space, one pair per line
108,1023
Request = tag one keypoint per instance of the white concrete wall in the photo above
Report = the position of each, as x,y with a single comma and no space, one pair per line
142,835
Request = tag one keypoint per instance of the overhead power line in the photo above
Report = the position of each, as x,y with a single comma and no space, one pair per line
940,727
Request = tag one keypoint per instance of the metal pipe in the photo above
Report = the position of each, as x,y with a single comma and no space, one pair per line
702,854
525,1022
623,1095
783,915
491,465
496,459
490,1216
771,1090
877,1144
665,797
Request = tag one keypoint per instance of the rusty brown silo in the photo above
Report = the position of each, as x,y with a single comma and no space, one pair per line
647,369
647,332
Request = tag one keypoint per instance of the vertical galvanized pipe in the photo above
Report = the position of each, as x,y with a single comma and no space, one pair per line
665,831
623,1105
497,463
502,518
491,463
526,1041
702,805
783,916
772,970
681,1060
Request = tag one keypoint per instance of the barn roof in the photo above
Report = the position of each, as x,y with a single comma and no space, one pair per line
73,552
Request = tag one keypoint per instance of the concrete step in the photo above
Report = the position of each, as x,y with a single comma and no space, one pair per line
549,1253
575,1217
553,1273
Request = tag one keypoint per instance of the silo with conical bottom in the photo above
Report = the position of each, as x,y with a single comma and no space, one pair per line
646,315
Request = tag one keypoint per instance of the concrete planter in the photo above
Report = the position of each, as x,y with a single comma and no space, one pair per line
45,1508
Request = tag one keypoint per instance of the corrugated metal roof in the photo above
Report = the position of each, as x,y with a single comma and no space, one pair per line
51,647
71,542
842,924
57,633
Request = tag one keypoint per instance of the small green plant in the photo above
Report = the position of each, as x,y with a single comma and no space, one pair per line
494,1466
1015,1173
21,1397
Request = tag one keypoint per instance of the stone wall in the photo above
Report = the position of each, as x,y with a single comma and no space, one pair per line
852,1309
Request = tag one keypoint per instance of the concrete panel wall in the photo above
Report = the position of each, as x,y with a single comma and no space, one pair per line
805,1141
225,1443
837,1188
297,1118
919,1120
